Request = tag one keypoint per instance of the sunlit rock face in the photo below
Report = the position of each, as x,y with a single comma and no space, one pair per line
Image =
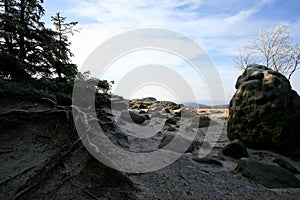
264,111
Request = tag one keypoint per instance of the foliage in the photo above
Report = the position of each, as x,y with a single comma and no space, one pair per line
12,68
274,49
61,51
85,80
28,48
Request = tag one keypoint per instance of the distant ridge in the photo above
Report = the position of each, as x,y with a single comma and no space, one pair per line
198,105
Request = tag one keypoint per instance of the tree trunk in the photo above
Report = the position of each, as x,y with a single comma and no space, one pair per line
6,29
21,30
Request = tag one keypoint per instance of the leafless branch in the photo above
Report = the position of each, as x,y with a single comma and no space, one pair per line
272,48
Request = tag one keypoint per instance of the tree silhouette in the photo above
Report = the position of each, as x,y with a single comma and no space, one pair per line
62,52
28,48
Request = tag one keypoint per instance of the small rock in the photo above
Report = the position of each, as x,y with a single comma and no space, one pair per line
171,128
235,149
167,110
179,144
172,120
130,116
286,165
147,117
144,111
177,113
208,160
270,176
202,121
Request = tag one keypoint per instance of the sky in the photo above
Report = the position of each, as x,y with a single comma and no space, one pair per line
219,27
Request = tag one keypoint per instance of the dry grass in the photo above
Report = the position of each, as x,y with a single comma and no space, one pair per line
223,112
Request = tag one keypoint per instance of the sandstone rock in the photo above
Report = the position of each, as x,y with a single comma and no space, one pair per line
139,105
172,120
208,160
119,105
131,116
148,100
270,176
202,121
264,112
157,108
166,110
187,113
235,149
177,146
286,165
177,113
171,105
147,117
144,103
171,128
144,111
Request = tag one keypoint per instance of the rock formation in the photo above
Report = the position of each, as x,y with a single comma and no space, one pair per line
265,111
270,176
235,149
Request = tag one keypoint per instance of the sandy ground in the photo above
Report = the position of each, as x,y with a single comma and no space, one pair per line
216,112
187,179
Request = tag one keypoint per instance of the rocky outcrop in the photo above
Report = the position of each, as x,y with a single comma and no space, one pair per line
264,112
152,103
270,176
235,149
208,160
131,116
286,165
201,121
180,143
43,156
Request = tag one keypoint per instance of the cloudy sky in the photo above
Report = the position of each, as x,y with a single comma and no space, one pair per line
220,27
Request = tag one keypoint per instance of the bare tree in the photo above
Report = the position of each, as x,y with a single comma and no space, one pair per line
272,48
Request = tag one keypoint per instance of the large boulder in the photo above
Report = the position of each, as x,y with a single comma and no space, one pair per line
264,112
235,149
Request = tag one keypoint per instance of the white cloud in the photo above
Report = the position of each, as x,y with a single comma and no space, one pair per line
221,34
241,16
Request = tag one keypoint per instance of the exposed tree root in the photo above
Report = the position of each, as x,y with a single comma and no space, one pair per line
39,176
18,113
15,176
43,172
83,190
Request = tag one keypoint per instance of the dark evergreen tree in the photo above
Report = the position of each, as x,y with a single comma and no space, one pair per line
62,53
20,22
7,25
28,47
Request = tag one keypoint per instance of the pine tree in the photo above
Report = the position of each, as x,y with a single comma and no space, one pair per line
20,24
28,48
8,17
62,53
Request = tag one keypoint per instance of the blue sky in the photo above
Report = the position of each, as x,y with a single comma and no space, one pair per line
221,27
